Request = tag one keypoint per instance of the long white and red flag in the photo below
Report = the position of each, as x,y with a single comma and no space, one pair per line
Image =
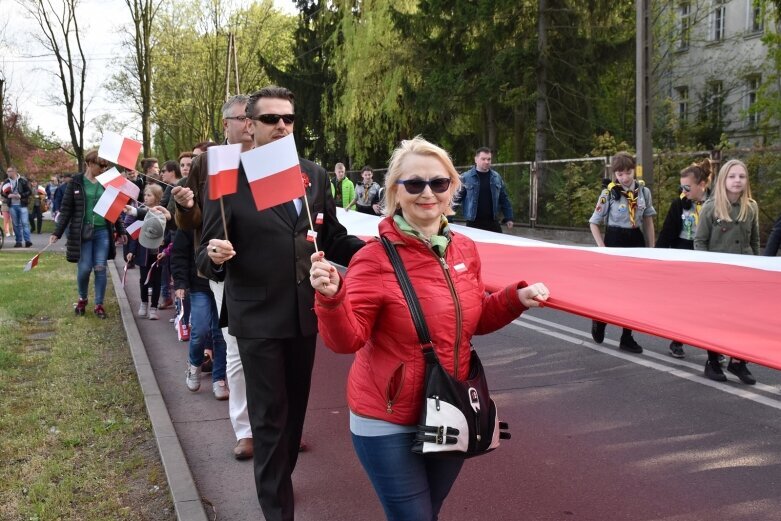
722,302
274,173
111,204
223,163
119,150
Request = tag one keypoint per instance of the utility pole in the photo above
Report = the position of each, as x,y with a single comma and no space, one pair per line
643,123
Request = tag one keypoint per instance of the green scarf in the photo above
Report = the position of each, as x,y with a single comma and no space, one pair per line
438,243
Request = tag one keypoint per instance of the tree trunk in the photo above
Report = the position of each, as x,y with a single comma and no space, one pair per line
490,126
60,33
541,137
3,142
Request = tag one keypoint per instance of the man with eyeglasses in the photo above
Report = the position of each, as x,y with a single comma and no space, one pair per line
483,195
268,299
237,129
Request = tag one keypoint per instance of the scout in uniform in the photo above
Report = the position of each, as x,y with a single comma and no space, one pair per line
626,209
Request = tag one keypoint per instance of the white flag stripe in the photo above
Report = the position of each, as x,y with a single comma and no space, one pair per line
223,157
130,189
134,226
106,201
110,146
270,159
110,177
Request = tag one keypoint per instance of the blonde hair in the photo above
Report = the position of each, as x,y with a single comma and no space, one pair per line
421,147
721,202
156,190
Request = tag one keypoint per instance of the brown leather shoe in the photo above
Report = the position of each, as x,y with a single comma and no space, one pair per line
243,449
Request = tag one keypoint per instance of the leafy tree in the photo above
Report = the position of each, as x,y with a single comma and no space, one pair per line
59,35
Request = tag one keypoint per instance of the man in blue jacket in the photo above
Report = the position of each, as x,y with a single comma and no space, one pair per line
483,195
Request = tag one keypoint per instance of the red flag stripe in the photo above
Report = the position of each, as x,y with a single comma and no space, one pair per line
223,183
278,188
726,303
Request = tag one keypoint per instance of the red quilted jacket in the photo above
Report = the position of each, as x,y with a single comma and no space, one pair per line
369,317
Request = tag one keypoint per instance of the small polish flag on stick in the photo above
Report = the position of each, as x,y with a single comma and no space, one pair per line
130,189
311,236
32,263
274,173
111,177
119,150
223,164
149,275
134,229
111,204
319,218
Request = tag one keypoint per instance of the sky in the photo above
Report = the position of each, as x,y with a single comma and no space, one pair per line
32,88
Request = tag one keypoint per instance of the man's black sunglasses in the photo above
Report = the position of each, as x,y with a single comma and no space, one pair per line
273,119
416,186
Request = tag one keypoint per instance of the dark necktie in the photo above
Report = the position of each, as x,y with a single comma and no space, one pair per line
290,207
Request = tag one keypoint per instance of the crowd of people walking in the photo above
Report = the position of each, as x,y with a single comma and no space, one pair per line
250,291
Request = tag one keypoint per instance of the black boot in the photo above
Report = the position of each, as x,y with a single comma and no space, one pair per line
739,369
598,331
628,343
713,371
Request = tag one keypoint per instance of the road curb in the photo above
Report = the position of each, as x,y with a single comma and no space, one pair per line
187,500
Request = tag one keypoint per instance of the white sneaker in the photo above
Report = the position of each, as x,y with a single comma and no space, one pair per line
142,309
193,377
153,314
220,390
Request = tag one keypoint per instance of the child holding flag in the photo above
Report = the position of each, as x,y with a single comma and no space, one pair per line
146,252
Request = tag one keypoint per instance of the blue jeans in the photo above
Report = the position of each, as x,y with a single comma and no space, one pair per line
94,255
21,219
204,319
411,487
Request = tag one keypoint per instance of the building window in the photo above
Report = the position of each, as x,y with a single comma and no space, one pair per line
752,89
754,17
682,94
715,100
717,20
684,26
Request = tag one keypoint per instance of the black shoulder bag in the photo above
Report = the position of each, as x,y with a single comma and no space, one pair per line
458,418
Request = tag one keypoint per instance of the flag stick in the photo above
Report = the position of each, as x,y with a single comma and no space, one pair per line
224,222
309,216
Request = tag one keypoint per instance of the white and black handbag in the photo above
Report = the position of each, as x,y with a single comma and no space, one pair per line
458,418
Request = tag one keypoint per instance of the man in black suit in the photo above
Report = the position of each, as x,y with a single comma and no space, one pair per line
269,300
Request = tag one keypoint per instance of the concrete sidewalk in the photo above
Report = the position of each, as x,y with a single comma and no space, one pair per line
328,480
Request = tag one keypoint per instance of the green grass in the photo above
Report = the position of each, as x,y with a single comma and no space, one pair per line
76,443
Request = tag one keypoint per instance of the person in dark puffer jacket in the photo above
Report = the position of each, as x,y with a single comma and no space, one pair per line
78,217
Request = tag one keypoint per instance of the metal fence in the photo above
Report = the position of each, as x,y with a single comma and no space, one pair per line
562,193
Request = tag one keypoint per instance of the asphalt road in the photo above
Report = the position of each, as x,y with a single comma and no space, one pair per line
598,434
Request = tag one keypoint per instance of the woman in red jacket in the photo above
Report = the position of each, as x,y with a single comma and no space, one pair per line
366,314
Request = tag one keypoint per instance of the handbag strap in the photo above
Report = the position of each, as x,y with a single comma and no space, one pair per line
409,294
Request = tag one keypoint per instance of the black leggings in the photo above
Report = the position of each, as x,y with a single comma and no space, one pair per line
154,283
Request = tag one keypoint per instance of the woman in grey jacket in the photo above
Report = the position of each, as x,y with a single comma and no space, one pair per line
729,223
